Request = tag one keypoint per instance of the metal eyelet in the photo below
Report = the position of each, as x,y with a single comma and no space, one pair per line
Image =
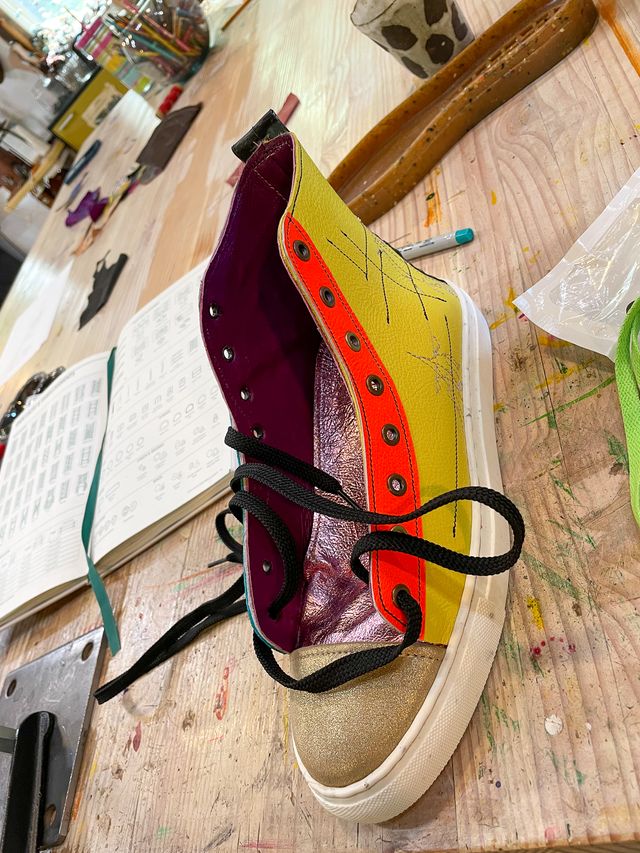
399,588
214,310
390,434
353,341
396,484
266,567
327,297
245,394
302,250
375,385
227,353
258,432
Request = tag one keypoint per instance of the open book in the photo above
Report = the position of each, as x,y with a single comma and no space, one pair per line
164,456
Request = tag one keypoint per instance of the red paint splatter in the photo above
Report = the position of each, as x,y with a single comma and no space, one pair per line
552,638
543,643
137,737
536,650
222,696
550,833
572,648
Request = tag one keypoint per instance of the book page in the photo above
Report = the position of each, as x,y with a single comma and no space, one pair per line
45,477
167,419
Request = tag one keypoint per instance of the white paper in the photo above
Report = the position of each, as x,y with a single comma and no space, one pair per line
167,419
44,482
33,327
585,297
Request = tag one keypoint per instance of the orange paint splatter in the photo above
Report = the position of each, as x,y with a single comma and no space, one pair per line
137,737
609,13
222,696
494,197
434,208
76,804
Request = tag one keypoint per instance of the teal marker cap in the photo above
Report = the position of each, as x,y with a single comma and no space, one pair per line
464,235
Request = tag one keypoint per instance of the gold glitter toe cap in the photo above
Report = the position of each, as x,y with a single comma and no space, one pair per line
344,734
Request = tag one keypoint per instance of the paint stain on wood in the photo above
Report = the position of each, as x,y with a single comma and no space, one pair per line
619,452
189,719
494,197
563,373
222,696
533,606
609,14
137,737
434,208
509,304
551,341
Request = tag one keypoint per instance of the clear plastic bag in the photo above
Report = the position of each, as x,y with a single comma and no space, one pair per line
585,297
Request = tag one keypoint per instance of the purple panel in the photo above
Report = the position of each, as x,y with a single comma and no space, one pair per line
262,318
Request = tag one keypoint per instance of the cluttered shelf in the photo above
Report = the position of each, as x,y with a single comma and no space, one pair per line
197,756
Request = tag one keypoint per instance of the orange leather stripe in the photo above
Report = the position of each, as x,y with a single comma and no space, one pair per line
388,569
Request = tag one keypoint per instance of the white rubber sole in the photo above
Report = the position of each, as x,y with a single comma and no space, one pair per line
434,734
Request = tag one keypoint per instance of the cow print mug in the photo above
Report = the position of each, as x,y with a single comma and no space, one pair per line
421,34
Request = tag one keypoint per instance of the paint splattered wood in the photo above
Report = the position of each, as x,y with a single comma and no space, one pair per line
197,757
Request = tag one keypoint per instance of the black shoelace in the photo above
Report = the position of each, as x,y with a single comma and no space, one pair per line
275,469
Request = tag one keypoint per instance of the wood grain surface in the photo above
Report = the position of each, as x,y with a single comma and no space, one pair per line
197,756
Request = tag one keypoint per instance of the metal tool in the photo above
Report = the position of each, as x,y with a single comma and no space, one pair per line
395,155
45,708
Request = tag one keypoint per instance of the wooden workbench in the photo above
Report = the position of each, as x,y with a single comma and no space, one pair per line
196,757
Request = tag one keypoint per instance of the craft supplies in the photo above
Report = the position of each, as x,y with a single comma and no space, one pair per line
147,43
421,34
585,297
436,244
80,164
399,151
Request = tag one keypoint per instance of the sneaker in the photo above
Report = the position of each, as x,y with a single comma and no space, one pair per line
376,542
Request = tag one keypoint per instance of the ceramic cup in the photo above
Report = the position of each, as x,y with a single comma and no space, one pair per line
421,34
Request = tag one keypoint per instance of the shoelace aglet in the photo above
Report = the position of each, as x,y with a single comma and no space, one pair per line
230,558
345,497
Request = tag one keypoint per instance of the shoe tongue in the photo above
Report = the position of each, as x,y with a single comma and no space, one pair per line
337,608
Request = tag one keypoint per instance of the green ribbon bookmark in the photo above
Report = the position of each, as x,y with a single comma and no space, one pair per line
97,584
628,379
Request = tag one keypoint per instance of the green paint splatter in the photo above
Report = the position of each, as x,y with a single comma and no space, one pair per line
563,486
535,663
551,576
583,537
512,651
163,831
486,719
501,715
580,776
430,196
618,451
554,759
558,409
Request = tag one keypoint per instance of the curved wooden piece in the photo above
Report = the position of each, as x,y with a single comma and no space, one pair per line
402,148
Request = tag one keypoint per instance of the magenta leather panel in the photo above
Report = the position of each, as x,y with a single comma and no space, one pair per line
258,313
